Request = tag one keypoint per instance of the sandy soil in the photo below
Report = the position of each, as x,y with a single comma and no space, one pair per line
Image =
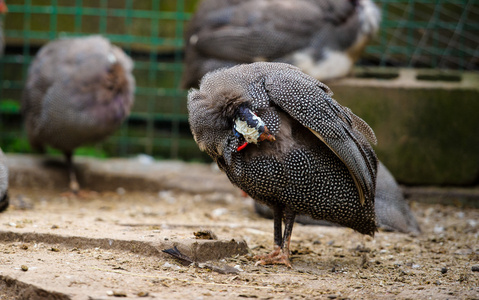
328,263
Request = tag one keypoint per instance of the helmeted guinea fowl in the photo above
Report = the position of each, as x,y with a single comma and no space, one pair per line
324,38
280,137
392,210
78,91
3,182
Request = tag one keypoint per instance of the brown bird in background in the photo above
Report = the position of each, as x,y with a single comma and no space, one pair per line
324,38
78,91
280,137
3,182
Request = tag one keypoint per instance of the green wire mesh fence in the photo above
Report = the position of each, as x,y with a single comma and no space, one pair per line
428,34
151,32
421,33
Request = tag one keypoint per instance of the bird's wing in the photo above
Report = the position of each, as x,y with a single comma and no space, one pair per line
254,30
309,102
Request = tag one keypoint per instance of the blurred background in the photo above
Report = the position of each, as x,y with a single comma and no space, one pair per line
416,83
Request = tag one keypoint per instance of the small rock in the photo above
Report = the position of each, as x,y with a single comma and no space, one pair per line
120,191
142,294
238,267
332,297
475,268
116,293
24,268
438,229
119,294
472,223
205,235
219,212
444,270
55,226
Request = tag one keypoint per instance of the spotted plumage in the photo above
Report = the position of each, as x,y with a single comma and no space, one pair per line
78,91
324,38
392,210
320,162
3,182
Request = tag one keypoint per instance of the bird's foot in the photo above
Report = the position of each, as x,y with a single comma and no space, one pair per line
75,190
74,186
277,257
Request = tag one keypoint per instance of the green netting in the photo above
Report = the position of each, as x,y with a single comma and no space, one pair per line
428,34
422,33
151,32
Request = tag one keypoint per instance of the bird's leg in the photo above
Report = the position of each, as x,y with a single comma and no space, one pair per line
288,230
74,186
280,254
278,237
278,222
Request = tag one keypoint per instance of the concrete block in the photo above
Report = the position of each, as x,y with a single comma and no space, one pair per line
41,171
427,127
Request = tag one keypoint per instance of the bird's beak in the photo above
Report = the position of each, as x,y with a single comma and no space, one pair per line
266,135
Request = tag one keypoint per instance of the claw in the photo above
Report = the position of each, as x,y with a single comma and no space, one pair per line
277,257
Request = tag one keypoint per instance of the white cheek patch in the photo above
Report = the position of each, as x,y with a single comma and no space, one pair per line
250,134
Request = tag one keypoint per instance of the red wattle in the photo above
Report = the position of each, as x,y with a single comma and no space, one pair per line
242,147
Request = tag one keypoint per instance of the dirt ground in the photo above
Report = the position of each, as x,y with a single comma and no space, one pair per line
328,263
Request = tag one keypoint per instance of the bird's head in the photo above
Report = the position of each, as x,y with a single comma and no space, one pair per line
221,120
248,125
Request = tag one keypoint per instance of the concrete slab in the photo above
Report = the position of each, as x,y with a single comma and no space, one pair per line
425,122
108,243
140,174
61,240
135,174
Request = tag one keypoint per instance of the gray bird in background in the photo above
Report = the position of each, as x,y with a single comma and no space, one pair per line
280,137
78,91
392,210
324,38
3,182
